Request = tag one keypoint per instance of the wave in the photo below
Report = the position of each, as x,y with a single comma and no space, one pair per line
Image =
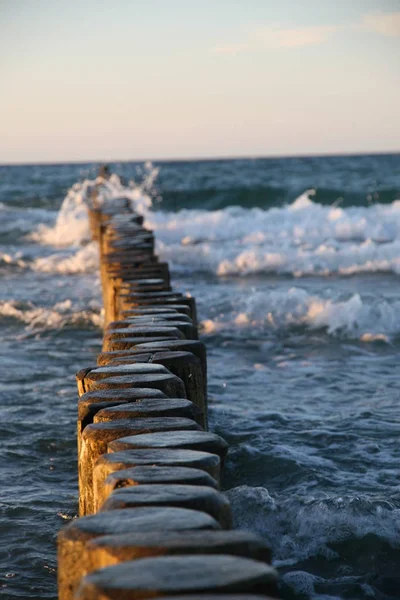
316,522
304,238
67,262
256,194
17,222
62,315
72,224
68,230
300,239
355,317
13,261
84,260
335,531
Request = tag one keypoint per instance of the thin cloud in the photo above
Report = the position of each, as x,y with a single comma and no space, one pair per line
275,37
293,38
230,50
263,38
387,24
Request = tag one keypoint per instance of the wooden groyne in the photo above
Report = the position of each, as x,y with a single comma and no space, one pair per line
152,519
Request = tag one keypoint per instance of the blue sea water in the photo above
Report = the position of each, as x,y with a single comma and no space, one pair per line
295,266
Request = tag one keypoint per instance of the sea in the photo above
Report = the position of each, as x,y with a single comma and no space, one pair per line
295,265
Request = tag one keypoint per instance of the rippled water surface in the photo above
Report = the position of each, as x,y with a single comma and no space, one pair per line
299,301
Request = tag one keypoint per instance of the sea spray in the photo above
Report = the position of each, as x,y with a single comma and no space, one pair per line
72,226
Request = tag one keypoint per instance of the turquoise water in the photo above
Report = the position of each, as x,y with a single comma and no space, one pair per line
298,296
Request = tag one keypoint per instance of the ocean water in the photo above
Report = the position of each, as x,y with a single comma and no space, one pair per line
295,266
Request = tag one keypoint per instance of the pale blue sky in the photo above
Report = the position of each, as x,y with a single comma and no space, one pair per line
129,79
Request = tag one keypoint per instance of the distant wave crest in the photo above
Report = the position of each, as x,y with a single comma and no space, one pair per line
300,239
66,314
303,238
376,320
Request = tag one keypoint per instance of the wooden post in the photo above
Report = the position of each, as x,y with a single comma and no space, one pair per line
165,407
90,403
190,440
202,498
107,550
129,376
73,560
184,365
151,474
146,462
118,461
180,574
96,436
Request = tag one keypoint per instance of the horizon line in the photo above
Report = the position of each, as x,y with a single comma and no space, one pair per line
202,158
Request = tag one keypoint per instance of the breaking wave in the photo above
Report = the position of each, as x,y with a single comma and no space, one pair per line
361,531
84,260
72,224
300,239
304,238
68,231
66,314
355,317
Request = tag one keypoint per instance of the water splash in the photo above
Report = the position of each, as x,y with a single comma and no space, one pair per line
72,226
65,314
354,317
300,239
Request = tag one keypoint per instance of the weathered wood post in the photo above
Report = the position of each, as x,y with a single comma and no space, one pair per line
96,436
150,577
73,559
156,521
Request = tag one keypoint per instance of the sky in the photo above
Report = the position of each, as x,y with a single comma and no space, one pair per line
163,79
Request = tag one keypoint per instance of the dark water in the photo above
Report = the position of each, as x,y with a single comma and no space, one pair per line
298,295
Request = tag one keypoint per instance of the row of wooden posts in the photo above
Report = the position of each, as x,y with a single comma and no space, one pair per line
152,519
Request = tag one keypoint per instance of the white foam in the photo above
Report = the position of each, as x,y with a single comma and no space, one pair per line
66,262
61,315
298,528
367,319
70,232
84,260
15,260
72,224
303,238
300,239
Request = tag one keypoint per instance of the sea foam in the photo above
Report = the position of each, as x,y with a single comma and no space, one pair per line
72,224
300,239
355,317
313,522
66,314
84,260
70,236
